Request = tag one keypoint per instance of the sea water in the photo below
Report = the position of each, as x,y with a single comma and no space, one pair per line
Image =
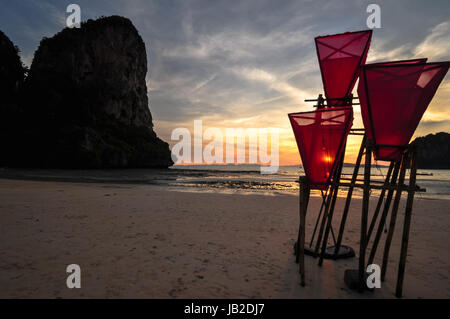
242,179
247,179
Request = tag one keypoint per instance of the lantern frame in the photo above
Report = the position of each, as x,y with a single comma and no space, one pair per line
362,59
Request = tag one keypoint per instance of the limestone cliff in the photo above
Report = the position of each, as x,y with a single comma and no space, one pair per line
11,70
12,74
85,101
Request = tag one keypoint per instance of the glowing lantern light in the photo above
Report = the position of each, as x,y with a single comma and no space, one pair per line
321,136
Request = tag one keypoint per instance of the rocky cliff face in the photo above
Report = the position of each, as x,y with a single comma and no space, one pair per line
12,75
11,70
433,151
85,101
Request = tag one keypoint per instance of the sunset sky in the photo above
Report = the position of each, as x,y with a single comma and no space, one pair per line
248,63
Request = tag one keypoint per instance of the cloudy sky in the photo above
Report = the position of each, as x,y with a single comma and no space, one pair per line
247,63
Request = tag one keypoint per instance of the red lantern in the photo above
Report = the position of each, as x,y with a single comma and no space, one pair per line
321,136
394,96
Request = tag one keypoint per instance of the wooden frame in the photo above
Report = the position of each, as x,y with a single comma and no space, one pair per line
396,171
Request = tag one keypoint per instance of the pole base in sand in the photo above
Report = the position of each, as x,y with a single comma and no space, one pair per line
307,251
310,252
343,253
351,279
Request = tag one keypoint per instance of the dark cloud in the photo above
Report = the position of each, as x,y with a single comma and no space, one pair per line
433,125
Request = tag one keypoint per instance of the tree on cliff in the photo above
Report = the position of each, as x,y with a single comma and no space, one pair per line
433,151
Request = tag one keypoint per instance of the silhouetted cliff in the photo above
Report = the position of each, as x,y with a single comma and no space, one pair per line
11,70
85,101
434,151
12,74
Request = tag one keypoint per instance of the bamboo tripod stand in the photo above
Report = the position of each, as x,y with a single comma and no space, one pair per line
329,199
327,207
328,204
397,170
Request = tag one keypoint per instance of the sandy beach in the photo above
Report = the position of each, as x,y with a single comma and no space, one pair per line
144,241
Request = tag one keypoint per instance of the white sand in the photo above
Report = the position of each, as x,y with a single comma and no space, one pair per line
148,242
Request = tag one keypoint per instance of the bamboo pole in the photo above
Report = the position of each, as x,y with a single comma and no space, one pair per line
302,179
407,223
384,214
297,248
333,187
331,200
318,218
330,213
303,205
390,234
349,196
380,201
364,215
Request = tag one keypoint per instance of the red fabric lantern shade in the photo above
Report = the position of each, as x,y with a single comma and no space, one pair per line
394,96
321,136
340,57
